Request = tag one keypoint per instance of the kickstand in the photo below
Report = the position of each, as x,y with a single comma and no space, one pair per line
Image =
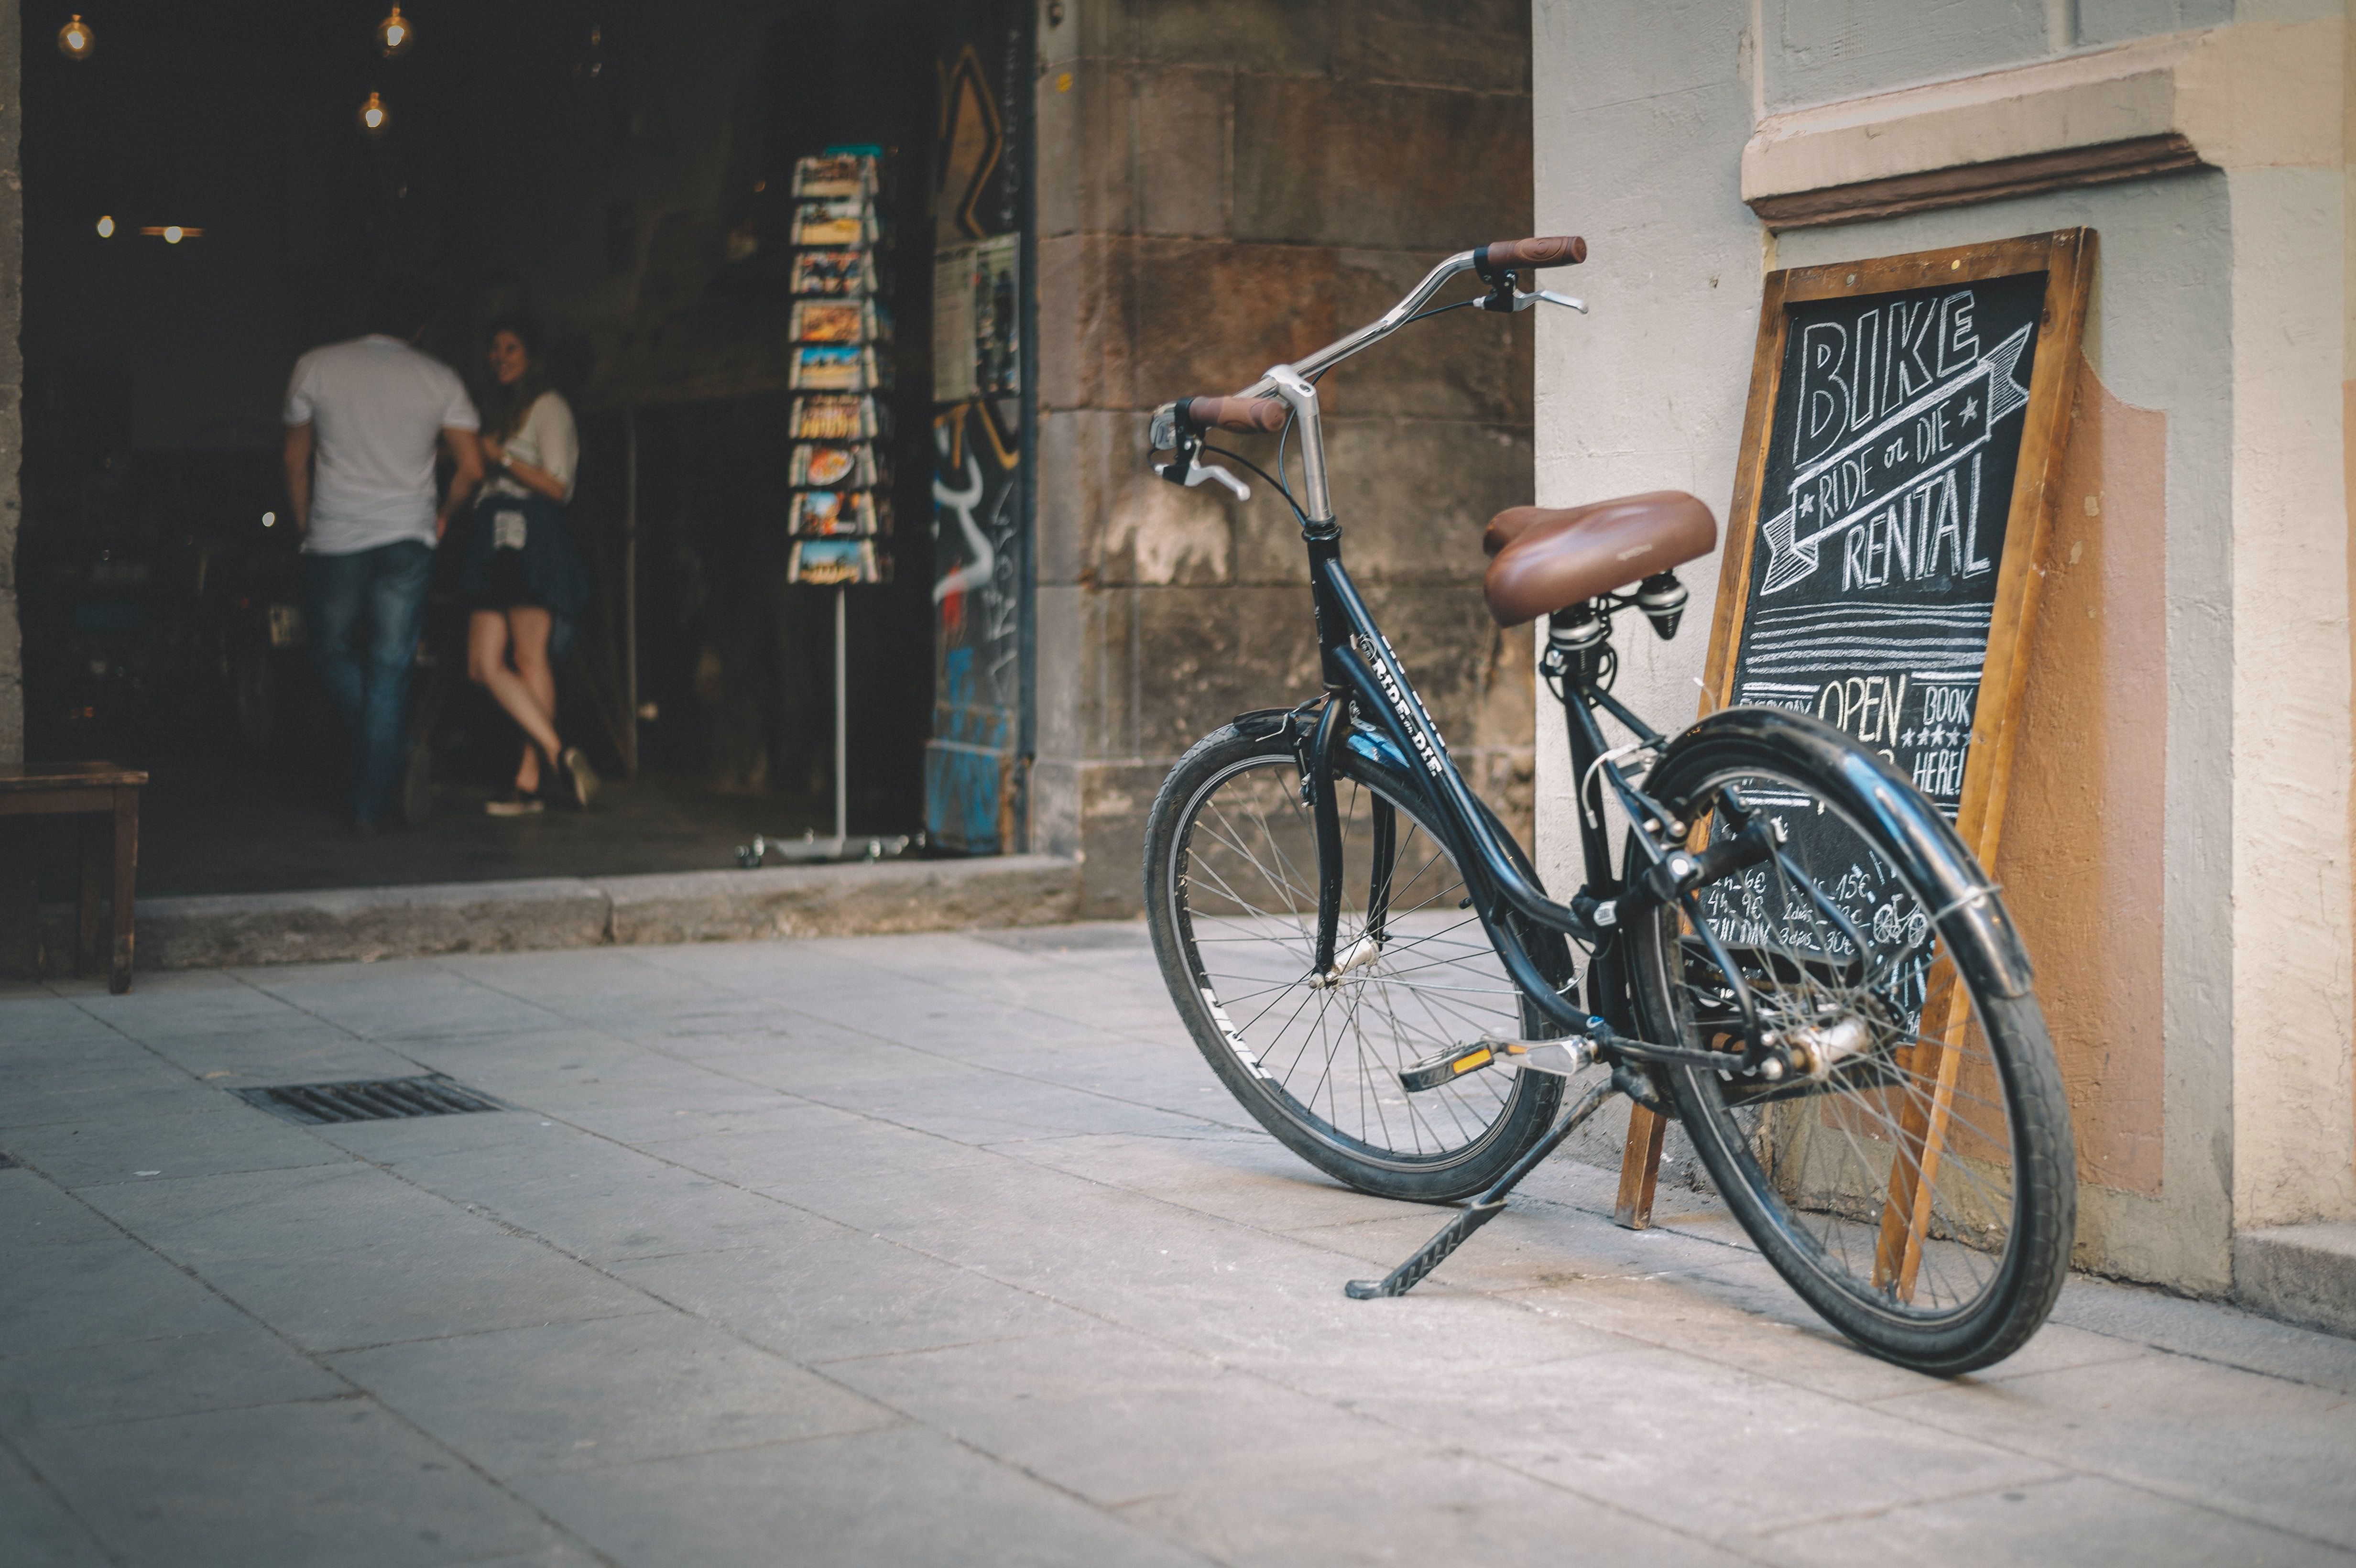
1484,1209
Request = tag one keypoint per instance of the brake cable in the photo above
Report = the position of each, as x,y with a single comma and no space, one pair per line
1273,479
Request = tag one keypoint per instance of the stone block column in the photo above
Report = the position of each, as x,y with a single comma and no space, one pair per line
1224,184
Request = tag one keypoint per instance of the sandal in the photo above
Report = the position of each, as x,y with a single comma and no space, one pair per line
515,802
583,777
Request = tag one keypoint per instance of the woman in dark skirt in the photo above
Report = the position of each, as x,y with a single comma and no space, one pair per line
522,574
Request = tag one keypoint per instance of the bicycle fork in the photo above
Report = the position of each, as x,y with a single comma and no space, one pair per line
1327,966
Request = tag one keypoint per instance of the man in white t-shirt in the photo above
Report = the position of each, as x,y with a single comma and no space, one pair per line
365,421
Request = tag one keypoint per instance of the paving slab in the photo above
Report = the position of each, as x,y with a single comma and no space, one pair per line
2208,1331
947,1248
103,1293
615,1391
139,1086
208,1137
2160,1423
309,1052
337,1480
1113,1415
38,1528
353,1256
1718,1313
1437,1507
2084,1521
902,1495
840,1294
38,1213
585,1195
233,1366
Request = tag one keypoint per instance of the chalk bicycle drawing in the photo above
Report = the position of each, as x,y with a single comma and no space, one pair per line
1793,955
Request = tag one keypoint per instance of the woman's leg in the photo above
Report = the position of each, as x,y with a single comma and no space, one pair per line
528,632
487,667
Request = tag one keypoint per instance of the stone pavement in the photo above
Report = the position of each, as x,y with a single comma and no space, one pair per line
916,1249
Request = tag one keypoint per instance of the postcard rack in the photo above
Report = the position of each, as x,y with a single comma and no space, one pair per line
839,516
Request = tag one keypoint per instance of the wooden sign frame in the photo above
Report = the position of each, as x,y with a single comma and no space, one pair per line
2067,258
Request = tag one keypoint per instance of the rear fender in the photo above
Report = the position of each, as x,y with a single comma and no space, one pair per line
1970,916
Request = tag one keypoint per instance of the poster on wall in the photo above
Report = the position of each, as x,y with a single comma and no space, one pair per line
976,320
973,763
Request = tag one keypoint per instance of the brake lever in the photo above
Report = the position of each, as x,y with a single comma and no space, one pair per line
1523,302
1185,467
1181,470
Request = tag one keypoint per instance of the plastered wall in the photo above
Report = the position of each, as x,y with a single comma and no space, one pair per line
2176,843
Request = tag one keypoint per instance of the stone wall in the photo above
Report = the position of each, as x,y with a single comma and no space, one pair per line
1225,184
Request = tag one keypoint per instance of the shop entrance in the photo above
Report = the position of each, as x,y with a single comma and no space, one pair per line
628,176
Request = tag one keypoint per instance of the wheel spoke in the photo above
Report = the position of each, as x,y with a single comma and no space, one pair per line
1825,1162
1328,1059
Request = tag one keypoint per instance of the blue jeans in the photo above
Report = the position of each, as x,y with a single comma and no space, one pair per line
370,682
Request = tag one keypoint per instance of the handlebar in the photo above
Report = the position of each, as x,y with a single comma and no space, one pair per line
1245,415
1553,251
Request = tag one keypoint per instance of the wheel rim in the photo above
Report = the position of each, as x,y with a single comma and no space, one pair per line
1910,1087
1243,894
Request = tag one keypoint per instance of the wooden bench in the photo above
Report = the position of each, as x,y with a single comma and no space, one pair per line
88,789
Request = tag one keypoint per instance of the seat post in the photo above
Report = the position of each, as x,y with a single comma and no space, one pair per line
1575,638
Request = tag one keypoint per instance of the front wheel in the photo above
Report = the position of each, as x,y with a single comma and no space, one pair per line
1913,1179
1231,879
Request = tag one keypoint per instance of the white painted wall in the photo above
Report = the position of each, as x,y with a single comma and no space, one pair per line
2221,300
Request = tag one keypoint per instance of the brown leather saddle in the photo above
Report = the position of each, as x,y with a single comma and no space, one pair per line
1549,558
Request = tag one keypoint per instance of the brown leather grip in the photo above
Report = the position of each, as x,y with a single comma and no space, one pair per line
1244,414
1552,250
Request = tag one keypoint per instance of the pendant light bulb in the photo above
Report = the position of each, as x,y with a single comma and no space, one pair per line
105,228
374,115
75,40
395,34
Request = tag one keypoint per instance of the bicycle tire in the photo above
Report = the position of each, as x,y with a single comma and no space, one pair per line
1809,1168
1500,1116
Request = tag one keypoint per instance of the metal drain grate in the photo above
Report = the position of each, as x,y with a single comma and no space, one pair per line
372,1100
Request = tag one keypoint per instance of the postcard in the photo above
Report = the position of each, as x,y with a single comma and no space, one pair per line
834,174
838,419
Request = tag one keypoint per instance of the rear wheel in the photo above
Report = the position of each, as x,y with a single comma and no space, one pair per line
1231,877
1915,1182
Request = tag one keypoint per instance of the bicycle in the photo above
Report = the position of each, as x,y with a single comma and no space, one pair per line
1795,954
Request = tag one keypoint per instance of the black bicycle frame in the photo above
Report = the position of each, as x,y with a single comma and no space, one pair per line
1362,674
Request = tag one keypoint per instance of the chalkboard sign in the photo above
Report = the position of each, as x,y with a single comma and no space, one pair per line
1904,437
1907,416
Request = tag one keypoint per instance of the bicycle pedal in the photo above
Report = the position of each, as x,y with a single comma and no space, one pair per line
1561,1057
1447,1066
